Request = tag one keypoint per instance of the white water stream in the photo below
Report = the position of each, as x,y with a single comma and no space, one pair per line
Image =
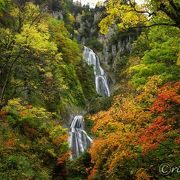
79,141
91,58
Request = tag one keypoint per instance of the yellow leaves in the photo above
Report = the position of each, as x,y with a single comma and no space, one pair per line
104,24
56,132
51,152
118,11
150,90
34,32
125,115
36,38
31,11
108,20
103,121
13,103
178,59
15,12
25,111
49,75
24,146
117,158
129,112
71,18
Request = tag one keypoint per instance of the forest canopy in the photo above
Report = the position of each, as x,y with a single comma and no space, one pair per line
130,14
45,82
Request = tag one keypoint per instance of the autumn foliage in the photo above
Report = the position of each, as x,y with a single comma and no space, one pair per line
31,140
154,134
167,98
132,129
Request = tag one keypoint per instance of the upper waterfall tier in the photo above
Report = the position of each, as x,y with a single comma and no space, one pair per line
91,58
79,140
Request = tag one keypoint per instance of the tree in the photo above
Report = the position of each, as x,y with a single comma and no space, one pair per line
136,135
32,142
159,59
39,59
22,47
128,14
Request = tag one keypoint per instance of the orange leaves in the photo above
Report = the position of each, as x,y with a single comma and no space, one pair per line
141,174
118,133
10,143
177,141
23,113
2,114
61,160
60,139
167,98
123,111
130,129
97,147
112,150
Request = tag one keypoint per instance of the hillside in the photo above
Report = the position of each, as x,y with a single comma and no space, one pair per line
89,93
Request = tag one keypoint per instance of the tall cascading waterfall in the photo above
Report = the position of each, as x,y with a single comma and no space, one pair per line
91,58
79,141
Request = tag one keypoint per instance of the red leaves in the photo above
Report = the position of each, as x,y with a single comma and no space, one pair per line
92,173
154,134
128,127
167,98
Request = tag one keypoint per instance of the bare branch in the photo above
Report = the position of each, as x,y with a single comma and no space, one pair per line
156,24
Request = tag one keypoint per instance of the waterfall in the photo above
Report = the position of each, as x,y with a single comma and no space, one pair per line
79,141
91,58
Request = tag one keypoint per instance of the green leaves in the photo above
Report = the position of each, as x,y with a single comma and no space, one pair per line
39,60
31,140
160,58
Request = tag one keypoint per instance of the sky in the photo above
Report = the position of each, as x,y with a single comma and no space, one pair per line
93,2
